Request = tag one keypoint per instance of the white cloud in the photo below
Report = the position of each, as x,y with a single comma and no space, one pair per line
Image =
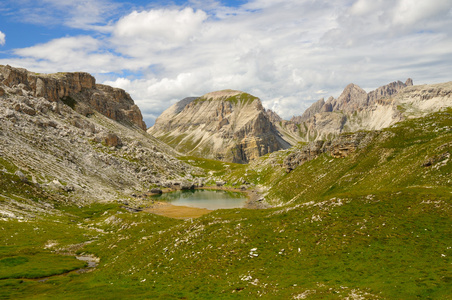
2,38
80,53
287,52
155,30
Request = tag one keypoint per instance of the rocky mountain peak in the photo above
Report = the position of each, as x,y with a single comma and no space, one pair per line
310,112
227,125
352,98
273,116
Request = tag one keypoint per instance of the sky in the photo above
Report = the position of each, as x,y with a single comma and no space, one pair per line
289,53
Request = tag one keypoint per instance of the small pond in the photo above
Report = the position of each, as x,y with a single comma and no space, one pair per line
209,199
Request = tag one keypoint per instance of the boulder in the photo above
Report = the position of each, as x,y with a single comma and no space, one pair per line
21,175
156,191
187,185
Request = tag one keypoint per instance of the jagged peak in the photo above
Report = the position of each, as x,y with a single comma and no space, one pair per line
352,88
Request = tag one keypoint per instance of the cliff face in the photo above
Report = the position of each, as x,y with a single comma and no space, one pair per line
226,125
81,87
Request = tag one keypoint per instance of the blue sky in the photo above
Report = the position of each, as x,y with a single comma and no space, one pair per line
289,53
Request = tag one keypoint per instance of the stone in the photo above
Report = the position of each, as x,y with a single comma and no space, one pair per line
69,188
109,139
9,113
156,191
187,185
27,110
21,175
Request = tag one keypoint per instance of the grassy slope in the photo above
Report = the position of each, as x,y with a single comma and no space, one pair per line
376,224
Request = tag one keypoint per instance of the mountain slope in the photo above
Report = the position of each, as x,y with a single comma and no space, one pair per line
226,125
89,145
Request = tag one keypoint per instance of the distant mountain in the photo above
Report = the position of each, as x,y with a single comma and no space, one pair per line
356,110
233,126
226,125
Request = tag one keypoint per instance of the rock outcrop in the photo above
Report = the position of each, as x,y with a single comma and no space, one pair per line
78,89
225,125
340,147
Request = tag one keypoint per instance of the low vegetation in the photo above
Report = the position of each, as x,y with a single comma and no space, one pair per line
373,225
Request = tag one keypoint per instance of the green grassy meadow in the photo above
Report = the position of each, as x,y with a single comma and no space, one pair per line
374,225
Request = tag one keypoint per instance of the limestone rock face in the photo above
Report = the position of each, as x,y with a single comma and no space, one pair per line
226,125
79,87
310,112
273,116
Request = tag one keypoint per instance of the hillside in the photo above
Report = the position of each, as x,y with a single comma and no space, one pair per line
66,135
225,125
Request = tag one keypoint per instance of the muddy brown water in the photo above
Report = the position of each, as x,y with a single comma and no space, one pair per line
195,203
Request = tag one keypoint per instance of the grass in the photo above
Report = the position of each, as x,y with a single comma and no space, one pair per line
242,98
217,168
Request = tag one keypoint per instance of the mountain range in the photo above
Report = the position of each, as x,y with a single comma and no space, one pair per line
233,126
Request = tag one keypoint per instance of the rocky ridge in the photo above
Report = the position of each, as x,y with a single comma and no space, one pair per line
225,125
357,110
78,89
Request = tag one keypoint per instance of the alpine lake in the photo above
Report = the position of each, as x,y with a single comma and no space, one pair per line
195,203
208,199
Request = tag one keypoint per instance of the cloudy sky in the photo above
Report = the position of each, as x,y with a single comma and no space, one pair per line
289,53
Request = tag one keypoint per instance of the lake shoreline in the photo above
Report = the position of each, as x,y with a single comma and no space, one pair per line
254,201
